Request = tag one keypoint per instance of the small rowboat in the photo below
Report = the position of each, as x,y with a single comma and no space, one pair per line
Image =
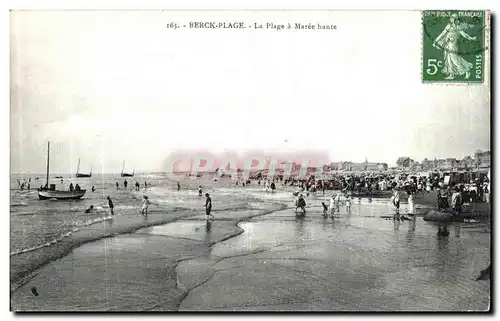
50,192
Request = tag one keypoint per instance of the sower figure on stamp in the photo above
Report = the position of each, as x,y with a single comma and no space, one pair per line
447,41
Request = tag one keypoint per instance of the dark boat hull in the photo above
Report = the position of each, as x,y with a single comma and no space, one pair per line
60,195
127,175
83,175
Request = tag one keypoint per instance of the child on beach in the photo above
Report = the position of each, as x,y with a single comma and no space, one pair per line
348,204
200,192
208,206
325,210
145,204
90,209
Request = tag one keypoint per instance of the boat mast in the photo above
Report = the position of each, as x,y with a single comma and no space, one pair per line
48,159
90,170
78,168
123,166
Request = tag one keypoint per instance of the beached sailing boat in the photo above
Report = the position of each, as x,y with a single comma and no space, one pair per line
126,174
78,174
48,192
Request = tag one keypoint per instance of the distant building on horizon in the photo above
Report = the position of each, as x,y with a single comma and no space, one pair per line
481,160
349,166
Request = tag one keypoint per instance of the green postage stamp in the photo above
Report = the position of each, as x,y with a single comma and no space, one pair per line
454,46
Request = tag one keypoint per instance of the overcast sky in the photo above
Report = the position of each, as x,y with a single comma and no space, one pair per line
109,86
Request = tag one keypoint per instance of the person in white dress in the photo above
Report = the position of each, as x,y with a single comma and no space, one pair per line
348,203
337,202
145,205
332,205
411,205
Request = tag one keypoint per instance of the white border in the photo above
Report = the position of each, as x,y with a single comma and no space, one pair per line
192,5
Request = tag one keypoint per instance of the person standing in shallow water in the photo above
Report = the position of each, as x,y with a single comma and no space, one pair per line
348,203
332,205
325,210
178,186
411,205
200,192
117,185
456,201
208,206
145,205
125,183
395,202
111,206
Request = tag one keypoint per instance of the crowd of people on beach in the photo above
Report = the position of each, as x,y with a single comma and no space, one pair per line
345,187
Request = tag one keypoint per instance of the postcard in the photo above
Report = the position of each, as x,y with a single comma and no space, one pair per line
250,160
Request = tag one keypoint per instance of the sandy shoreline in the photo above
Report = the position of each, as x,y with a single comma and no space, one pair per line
178,245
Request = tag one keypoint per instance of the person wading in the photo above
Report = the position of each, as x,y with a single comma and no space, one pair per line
145,205
395,202
332,205
208,207
111,205
456,201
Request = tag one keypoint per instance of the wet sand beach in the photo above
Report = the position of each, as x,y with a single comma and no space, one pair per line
257,256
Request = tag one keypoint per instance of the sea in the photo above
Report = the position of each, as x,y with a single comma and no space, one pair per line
44,231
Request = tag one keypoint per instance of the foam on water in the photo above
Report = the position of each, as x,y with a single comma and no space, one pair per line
19,204
64,234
